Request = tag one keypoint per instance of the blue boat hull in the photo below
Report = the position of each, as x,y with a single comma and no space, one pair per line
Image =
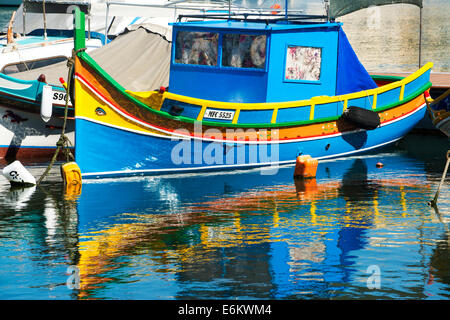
106,151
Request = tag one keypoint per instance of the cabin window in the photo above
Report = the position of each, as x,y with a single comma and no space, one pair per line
303,63
244,51
198,48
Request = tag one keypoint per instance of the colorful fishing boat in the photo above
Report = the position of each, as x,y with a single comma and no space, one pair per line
439,111
242,93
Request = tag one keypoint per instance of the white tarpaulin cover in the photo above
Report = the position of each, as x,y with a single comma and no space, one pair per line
139,60
61,21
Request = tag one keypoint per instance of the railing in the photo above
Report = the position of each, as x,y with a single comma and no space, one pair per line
192,6
312,103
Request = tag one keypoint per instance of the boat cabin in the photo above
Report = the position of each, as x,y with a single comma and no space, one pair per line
254,62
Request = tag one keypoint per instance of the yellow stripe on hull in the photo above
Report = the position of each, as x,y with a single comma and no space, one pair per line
109,116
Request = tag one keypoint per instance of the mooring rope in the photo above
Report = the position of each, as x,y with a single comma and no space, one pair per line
64,142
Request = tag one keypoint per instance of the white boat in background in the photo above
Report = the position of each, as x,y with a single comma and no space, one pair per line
38,37
28,63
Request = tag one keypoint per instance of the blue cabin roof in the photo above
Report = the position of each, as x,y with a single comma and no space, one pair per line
250,62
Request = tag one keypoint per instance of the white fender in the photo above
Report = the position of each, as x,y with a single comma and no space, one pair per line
18,175
46,103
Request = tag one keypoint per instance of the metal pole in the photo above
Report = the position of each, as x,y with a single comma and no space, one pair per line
420,38
24,11
286,9
45,20
106,23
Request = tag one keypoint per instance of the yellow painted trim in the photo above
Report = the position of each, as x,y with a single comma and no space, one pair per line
236,116
274,115
402,91
311,112
201,113
299,103
345,104
374,102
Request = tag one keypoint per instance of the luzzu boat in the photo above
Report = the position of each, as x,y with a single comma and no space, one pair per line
242,93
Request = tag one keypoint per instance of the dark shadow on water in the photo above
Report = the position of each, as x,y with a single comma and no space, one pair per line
355,183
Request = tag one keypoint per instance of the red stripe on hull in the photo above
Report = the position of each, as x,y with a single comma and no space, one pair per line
31,155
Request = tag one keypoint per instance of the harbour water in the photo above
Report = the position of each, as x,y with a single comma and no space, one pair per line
5,15
355,232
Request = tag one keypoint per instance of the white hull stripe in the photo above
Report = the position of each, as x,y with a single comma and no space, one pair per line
206,168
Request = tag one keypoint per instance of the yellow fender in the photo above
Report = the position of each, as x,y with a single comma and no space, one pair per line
71,175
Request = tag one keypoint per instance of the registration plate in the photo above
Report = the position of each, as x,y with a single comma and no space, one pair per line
218,114
59,97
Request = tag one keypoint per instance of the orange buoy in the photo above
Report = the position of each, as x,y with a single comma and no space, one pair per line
306,167
379,165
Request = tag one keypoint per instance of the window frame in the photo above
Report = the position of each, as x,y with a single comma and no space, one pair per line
174,48
263,69
318,82
219,65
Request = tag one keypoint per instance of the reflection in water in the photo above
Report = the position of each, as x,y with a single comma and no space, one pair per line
440,258
249,236
38,240
234,235
255,242
18,197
